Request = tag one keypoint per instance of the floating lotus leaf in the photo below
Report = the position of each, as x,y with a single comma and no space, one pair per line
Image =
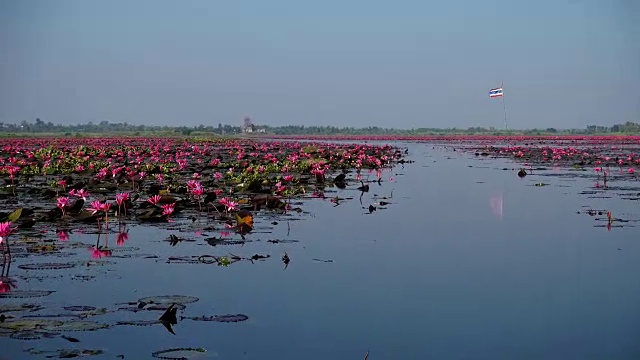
228,318
76,326
179,353
19,307
96,263
169,299
45,248
47,266
25,293
138,322
25,335
124,249
29,324
79,308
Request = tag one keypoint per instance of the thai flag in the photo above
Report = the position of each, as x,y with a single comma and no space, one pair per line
494,93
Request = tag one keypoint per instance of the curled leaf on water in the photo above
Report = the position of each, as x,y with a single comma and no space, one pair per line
15,215
179,353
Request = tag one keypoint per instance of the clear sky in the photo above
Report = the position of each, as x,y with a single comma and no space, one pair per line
354,63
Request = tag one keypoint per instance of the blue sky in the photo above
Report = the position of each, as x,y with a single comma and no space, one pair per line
403,64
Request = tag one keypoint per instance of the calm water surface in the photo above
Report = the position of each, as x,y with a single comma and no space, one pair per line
467,262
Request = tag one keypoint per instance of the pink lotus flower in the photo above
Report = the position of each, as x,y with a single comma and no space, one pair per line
217,176
287,178
82,193
121,198
231,205
197,191
168,209
631,171
191,184
96,206
62,203
154,199
5,230
105,207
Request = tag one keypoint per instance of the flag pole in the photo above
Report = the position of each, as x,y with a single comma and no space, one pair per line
504,107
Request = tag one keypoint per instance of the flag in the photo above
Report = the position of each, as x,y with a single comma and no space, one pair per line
494,93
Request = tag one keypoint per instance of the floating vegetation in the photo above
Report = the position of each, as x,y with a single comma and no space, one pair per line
179,353
47,266
79,308
4,308
25,335
65,353
29,324
139,322
228,318
168,299
25,294
75,326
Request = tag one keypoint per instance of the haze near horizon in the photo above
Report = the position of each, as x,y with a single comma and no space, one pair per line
405,64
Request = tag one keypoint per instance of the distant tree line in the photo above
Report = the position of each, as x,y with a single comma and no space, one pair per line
39,126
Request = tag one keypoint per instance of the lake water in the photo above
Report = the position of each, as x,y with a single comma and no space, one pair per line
467,261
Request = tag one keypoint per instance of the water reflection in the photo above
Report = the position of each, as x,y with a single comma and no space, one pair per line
496,203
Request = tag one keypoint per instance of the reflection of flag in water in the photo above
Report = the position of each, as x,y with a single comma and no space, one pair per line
496,204
494,93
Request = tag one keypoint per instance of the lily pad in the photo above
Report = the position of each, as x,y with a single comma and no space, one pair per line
79,308
19,307
179,353
228,318
47,266
29,324
25,294
76,326
139,322
169,299
25,335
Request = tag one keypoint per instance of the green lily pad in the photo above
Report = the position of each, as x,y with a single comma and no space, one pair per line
47,266
24,335
138,322
79,308
227,318
169,299
25,294
29,324
18,307
179,353
76,326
